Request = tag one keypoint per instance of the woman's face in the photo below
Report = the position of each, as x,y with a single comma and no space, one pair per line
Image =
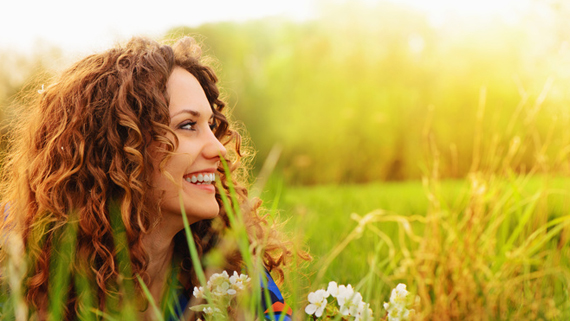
194,163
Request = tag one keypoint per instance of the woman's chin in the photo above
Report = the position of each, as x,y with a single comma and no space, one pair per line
199,214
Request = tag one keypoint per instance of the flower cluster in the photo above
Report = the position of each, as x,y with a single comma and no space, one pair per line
349,303
220,290
221,285
399,303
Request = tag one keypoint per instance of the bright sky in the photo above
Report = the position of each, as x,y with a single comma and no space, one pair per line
88,25
93,25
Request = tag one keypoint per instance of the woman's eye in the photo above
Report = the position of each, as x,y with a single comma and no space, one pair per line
188,125
213,125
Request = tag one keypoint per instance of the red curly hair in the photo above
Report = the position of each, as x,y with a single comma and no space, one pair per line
84,142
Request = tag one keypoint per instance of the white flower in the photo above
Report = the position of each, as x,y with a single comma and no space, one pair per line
41,91
239,281
317,303
222,286
343,293
333,289
211,311
350,302
243,278
219,284
399,294
198,292
398,307
223,289
364,313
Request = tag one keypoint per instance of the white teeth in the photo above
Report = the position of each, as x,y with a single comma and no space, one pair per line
205,178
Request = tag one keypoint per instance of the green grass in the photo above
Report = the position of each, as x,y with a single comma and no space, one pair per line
522,229
321,216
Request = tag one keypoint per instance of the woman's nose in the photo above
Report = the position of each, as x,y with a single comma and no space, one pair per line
214,148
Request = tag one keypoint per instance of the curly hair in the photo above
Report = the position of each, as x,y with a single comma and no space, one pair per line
84,143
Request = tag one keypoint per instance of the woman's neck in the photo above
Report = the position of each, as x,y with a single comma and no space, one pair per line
160,249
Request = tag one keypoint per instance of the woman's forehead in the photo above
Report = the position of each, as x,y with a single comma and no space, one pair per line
186,94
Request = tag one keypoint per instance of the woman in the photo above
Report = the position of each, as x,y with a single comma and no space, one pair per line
140,126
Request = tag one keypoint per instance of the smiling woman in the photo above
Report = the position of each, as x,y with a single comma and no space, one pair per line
141,126
197,157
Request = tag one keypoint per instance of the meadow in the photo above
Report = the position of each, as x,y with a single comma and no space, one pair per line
399,151
473,249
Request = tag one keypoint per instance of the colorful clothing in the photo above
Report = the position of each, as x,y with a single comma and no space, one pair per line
281,311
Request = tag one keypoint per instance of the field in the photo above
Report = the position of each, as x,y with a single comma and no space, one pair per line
493,251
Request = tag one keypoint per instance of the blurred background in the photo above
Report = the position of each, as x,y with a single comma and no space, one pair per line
348,91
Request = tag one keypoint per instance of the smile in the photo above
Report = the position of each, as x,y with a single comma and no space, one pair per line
201,179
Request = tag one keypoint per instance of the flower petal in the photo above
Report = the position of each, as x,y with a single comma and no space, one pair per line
310,309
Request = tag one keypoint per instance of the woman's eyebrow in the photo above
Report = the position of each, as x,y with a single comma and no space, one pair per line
188,111
194,113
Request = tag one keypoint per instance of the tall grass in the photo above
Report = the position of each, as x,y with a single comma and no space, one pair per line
492,246
498,252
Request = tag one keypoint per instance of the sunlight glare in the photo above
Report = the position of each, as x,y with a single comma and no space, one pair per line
439,11
89,26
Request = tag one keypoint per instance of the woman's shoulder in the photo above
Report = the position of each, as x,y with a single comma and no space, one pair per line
273,303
